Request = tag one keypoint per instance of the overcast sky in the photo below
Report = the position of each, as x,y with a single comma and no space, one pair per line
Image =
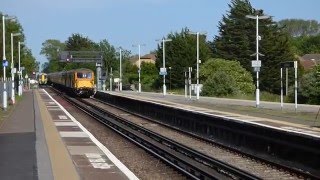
127,22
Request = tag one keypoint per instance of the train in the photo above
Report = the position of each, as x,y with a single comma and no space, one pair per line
78,82
42,79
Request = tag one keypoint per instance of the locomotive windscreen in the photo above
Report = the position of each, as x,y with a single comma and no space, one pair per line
84,75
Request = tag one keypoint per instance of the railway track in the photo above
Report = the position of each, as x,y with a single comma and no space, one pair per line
188,162
206,162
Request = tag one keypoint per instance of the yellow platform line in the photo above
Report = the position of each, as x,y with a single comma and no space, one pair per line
61,163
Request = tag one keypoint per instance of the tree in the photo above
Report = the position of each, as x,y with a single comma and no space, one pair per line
29,63
220,84
51,49
180,54
233,41
149,74
306,44
237,41
27,58
240,81
130,73
109,56
309,89
77,42
300,27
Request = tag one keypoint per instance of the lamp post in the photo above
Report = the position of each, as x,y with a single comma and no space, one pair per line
198,60
257,63
164,71
139,71
19,68
120,83
5,62
170,77
12,68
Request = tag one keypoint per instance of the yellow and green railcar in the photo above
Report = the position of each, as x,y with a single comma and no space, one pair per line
42,79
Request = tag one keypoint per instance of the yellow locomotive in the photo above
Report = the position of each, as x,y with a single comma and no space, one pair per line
42,79
79,82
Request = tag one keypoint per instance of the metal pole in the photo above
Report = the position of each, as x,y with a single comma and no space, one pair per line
12,74
19,70
257,57
185,84
286,81
170,77
120,70
190,69
164,66
4,67
197,88
296,84
111,79
281,97
139,70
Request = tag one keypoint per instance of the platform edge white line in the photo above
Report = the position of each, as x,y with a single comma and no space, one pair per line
113,158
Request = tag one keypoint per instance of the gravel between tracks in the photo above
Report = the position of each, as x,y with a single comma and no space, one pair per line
141,163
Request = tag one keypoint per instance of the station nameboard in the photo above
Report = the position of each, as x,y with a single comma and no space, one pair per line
287,64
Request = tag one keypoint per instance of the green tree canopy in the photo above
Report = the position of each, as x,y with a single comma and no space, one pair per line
27,59
242,82
306,44
237,41
50,49
300,27
180,54
149,74
220,84
309,89
109,56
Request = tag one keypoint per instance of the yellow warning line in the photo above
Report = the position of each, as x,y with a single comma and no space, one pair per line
61,163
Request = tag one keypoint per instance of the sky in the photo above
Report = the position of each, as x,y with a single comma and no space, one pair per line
128,22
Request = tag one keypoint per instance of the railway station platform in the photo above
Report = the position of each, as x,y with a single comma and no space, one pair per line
39,139
305,119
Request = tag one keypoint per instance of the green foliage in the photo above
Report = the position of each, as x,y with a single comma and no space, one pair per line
29,62
77,42
220,84
300,27
180,54
234,41
243,82
27,59
306,44
237,41
51,48
149,74
309,90
109,56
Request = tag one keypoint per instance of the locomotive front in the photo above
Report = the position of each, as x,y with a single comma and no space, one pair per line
84,82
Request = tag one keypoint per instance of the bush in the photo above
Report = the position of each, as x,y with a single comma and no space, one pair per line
241,78
308,89
220,84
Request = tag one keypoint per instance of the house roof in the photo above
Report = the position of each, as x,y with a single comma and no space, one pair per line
308,61
147,56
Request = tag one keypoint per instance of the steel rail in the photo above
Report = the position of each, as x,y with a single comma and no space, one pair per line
192,163
299,172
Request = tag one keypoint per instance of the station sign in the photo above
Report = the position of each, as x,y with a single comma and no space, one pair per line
163,71
5,63
256,63
287,64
